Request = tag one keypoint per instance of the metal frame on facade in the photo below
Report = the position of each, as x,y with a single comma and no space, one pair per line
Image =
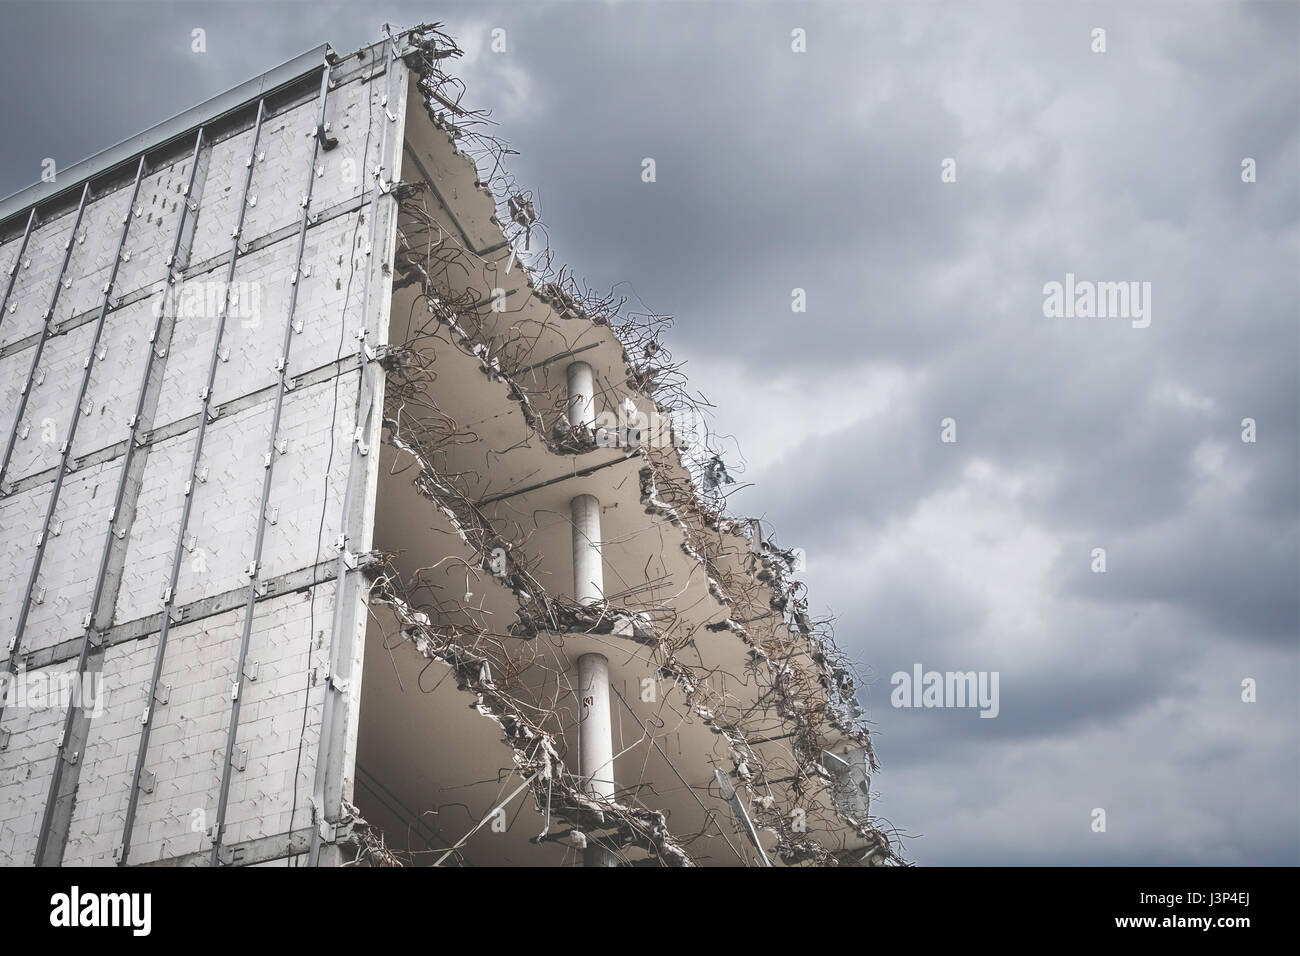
206,414
282,386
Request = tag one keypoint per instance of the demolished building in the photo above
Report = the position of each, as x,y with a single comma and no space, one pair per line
375,537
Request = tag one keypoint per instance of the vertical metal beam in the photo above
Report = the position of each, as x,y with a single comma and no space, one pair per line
333,729
4,303
13,270
204,415
255,568
64,457
39,350
16,641
94,621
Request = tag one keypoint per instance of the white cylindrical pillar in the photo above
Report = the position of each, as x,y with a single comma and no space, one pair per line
588,575
596,738
595,742
582,395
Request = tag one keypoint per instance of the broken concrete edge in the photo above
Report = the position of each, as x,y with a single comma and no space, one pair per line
833,671
834,674
806,733
566,303
561,442
560,439
536,754
540,613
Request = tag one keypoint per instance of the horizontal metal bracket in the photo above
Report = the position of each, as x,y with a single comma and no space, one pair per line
231,855
333,832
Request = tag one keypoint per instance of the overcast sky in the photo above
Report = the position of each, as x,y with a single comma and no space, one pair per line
822,170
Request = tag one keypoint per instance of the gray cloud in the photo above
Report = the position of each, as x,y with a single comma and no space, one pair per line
821,171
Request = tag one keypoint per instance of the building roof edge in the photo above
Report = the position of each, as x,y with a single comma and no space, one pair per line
155,136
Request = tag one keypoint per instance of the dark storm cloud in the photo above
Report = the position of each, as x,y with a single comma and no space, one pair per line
821,171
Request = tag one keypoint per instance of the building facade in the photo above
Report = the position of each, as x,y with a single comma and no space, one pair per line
339,526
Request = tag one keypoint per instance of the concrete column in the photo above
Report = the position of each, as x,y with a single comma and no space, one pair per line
595,736
595,742
596,758
582,395
588,575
